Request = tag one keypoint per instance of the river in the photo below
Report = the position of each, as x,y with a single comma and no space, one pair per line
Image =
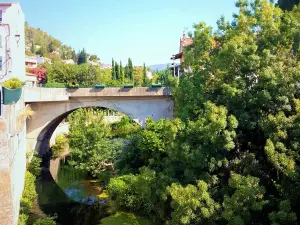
77,199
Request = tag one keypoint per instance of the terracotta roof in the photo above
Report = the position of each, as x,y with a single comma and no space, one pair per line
6,3
30,74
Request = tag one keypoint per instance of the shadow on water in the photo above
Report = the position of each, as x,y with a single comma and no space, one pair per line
53,201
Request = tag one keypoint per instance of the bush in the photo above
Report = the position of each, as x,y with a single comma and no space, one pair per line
12,83
125,128
54,85
60,145
23,219
29,193
45,221
35,166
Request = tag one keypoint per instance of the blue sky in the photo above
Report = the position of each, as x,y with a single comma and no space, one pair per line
145,30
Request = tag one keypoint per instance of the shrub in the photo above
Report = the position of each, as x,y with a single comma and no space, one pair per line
125,128
45,221
23,219
60,145
29,193
12,83
54,85
35,166
40,74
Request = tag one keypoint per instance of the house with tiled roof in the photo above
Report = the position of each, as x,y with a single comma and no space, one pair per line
184,42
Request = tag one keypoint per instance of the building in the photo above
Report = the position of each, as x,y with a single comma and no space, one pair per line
12,42
184,42
93,63
105,66
69,61
31,61
42,60
175,67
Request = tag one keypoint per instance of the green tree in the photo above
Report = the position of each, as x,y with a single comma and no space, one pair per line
113,70
237,128
74,56
82,57
122,77
144,76
89,142
94,58
287,4
117,71
130,69
192,204
33,49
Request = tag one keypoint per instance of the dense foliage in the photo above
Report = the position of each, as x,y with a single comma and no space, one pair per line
60,146
45,221
125,128
59,74
232,155
287,4
28,196
12,83
84,74
91,148
34,166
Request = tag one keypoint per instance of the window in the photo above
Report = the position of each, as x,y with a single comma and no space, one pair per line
0,16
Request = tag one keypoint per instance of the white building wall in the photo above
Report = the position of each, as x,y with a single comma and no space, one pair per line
12,24
17,144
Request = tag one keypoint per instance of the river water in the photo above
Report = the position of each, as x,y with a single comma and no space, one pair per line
77,199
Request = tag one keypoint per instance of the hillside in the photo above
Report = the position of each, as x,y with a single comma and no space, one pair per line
39,42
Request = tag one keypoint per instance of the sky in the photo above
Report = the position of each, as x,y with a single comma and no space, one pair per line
144,30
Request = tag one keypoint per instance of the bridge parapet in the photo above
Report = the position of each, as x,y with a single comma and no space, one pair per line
119,92
63,94
45,94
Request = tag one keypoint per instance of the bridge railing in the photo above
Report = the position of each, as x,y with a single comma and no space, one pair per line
39,94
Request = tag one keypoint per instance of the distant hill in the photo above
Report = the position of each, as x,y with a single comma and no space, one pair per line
158,67
39,42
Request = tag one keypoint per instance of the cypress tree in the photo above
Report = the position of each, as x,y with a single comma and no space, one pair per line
130,69
121,73
117,71
126,72
113,74
144,76
82,57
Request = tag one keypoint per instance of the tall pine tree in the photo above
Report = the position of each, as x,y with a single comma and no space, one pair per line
117,71
126,72
130,69
82,57
144,76
121,73
113,74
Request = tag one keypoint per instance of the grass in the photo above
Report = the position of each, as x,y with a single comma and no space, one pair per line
122,218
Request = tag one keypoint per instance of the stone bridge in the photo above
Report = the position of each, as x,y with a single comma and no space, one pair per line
52,105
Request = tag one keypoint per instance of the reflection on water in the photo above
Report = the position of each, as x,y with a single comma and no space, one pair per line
77,199
78,186
68,199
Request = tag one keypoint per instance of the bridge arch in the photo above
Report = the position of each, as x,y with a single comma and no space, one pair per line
48,115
